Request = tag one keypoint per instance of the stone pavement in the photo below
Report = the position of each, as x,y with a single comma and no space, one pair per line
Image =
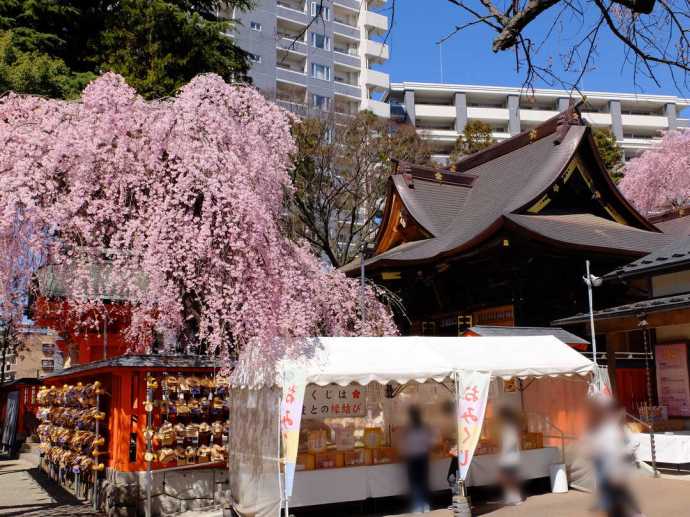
662,497
26,491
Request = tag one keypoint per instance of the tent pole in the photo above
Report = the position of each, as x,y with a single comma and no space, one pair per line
461,506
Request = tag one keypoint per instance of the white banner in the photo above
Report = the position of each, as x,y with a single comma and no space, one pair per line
472,394
290,418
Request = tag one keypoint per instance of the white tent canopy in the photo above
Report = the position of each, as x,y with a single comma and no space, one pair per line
345,360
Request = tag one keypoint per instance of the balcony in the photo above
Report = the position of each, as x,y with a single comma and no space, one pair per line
376,80
380,109
294,5
441,136
376,23
648,121
345,15
351,5
488,114
292,61
597,119
346,30
288,31
376,52
293,12
345,75
435,112
346,89
290,96
536,115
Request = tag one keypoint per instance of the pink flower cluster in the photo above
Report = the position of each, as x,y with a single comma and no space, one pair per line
175,208
660,177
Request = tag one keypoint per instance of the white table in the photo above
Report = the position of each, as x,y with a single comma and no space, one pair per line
671,447
339,485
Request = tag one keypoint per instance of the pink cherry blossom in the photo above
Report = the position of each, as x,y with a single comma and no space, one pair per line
176,206
660,176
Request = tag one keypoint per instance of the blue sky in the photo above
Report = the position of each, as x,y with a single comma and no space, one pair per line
468,59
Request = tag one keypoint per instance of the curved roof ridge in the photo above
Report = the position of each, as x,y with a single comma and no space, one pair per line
557,124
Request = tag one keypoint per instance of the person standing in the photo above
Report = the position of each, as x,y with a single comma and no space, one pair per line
612,452
509,457
417,443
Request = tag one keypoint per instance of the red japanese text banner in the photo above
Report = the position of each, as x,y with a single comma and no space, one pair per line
472,396
290,419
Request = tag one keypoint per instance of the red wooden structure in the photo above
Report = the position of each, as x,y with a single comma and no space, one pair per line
124,381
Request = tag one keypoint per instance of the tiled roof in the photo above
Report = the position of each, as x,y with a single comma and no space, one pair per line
559,333
172,362
502,185
679,226
496,186
631,309
673,256
433,204
588,230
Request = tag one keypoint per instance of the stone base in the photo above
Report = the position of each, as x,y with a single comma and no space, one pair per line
123,494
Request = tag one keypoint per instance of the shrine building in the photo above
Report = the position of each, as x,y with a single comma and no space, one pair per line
501,237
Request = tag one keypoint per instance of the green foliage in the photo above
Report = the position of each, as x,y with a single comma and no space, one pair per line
54,47
610,152
36,72
475,137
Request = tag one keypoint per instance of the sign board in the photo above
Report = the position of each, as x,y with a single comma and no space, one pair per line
333,401
672,379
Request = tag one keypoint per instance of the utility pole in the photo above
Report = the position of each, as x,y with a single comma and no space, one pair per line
362,279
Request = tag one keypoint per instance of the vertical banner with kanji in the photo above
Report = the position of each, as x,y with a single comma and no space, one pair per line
472,395
290,417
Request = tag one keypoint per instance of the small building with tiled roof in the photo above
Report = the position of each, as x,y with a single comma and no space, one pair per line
674,222
657,314
559,333
500,238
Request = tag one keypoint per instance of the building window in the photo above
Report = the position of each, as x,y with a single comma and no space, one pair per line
47,364
320,41
321,102
321,71
317,9
254,58
48,348
255,26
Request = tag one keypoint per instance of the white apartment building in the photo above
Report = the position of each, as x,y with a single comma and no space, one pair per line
313,55
440,112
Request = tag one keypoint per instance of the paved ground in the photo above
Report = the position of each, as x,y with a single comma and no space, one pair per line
26,491
665,497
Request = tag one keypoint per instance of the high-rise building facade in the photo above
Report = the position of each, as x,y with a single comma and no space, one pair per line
440,112
318,54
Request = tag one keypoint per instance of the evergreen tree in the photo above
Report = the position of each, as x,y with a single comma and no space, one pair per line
54,47
610,152
475,137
